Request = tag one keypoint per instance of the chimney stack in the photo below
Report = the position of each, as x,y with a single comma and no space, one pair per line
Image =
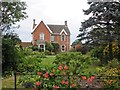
34,23
65,23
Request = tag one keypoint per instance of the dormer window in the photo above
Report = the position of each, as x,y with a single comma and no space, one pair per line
41,36
63,37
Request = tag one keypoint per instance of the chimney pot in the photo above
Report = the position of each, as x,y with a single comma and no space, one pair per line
65,23
34,23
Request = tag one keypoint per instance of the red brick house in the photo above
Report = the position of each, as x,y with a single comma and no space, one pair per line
51,33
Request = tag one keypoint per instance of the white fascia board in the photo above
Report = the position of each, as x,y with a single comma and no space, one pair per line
45,25
48,28
63,31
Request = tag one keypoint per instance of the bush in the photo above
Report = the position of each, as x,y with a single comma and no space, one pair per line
75,60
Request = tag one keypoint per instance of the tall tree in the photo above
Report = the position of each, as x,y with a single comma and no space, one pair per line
12,12
103,26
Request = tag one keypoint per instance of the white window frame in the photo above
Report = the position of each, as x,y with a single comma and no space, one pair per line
41,36
62,48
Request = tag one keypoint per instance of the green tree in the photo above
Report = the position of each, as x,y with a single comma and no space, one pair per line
49,46
56,47
103,26
12,12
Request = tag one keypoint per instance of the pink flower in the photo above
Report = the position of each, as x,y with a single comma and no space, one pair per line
65,67
60,67
35,89
63,82
52,74
66,82
56,87
89,80
46,75
39,73
83,77
73,85
92,77
38,83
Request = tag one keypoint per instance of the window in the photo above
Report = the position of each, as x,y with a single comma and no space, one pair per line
42,48
52,37
41,36
63,48
63,37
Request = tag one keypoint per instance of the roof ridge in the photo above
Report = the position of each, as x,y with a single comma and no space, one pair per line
56,24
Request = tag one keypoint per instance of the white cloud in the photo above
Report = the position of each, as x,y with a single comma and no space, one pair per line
53,12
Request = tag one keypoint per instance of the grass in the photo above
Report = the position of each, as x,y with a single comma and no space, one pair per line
9,82
46,63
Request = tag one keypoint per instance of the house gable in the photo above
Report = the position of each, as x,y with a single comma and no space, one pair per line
36,26
63,31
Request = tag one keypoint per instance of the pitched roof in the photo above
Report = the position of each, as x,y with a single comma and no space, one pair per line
55,28
58,28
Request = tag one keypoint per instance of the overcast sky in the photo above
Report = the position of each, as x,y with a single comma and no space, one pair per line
53,12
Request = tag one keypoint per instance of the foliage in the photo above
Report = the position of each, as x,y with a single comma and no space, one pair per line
75,60
58,77
75,43
10,54
49,46
103,26
110,74
12,12
98,52
115,50
56,47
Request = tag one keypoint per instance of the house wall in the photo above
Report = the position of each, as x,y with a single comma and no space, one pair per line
41,29
47,36
66,42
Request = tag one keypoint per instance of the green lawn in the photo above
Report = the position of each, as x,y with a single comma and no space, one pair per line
47,62
9,82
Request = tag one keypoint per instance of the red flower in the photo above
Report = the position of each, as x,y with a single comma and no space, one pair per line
66,82
60,67
35,89
92,77
63,82
89,80
46,75
39,73
56,87
83,77
38,83
65,67
73,85
52,74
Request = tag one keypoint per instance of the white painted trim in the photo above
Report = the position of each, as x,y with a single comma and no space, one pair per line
45,25
63,31
64,48
48,28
